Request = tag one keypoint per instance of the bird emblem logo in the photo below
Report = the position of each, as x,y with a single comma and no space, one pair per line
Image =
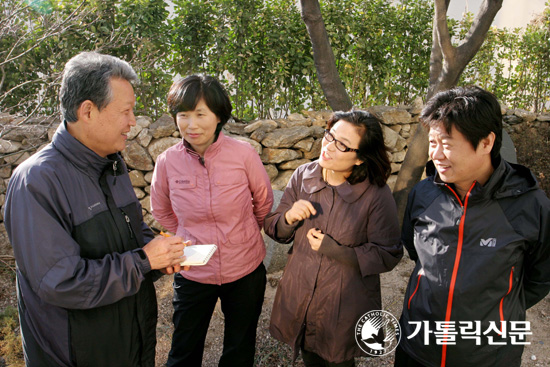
377,333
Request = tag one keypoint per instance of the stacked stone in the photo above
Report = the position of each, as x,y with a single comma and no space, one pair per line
19,139
516,120
283,144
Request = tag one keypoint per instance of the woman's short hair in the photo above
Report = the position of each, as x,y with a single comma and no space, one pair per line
87,76
185,94
372,150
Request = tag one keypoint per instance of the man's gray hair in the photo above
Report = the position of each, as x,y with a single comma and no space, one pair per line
87,77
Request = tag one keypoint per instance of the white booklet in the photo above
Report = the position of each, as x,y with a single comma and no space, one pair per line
197,255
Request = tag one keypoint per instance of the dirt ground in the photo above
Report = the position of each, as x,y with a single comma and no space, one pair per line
533,150
271,353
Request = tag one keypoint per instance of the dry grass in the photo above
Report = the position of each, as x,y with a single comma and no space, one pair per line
533,150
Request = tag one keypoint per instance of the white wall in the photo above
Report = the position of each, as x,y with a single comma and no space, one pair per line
513,14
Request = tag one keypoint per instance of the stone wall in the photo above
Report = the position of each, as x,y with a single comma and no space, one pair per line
283,144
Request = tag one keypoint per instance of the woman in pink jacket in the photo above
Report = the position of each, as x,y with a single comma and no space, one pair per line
210,188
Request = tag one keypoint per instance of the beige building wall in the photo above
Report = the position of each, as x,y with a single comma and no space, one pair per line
513,14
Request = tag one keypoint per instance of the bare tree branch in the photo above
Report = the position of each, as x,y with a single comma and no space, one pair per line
5,23
442,30
446,66
56,29
2,69
436,59
325,62
455,59
7,260
6,93
478,30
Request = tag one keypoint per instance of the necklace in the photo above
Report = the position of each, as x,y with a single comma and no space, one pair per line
336,179
326,176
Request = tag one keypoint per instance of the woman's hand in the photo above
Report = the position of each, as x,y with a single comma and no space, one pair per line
315,237
300,210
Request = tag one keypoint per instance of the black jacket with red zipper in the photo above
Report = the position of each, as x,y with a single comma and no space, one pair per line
484,257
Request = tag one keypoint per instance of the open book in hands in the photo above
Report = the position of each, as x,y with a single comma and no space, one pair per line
197,255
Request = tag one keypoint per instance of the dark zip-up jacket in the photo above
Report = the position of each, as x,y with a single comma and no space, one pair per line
85,289
484,257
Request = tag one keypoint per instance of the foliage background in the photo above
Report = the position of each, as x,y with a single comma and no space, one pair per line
260,50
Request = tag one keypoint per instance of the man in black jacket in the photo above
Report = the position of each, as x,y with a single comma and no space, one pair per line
84,255
478,229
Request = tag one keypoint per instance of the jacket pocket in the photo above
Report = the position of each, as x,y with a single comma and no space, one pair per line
185,197
233,179
418,276
245,232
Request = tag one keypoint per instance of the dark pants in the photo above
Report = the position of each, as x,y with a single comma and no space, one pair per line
402,359
314,360
509,357
194,304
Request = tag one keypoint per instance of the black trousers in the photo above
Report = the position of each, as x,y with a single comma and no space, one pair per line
509,357
194,304
402,359
312,359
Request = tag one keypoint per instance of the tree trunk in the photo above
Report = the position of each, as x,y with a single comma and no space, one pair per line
325,63
447,62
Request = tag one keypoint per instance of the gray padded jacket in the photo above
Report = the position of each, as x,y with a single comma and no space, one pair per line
85,289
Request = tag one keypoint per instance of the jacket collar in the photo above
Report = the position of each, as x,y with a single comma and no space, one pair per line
210,151
313,182
508,179
82,157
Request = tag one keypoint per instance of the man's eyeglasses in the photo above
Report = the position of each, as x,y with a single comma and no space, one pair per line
339,145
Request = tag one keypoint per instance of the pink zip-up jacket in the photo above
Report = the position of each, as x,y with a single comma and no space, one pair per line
222,199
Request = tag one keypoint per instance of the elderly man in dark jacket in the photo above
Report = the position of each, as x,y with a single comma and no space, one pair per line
479,230
84,255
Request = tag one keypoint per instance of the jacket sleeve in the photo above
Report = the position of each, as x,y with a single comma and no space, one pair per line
384,250
275,225
260,187
537,260
407,229
344,254
161,207
38,222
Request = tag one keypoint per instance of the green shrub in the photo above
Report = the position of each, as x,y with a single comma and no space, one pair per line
260,50
10,338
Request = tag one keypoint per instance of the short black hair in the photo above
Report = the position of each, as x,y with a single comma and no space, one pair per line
372,150
474,112
185,94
